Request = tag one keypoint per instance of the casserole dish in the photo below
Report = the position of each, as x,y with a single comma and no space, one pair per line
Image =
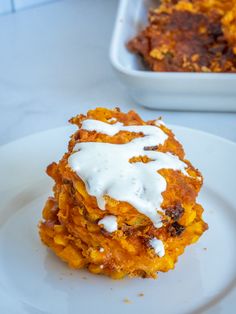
164,90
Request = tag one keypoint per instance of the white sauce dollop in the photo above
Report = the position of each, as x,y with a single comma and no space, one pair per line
159,122
158,246
112,120
106,170
109,223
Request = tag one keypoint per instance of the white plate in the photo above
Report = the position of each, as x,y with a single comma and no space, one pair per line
33,280
162,90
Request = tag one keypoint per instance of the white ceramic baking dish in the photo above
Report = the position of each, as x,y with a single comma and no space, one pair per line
171,91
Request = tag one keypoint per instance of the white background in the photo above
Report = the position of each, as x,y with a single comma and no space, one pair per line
5,6
8,6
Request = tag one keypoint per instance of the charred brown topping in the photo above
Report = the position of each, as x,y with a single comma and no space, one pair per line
65,181
175,212
183,40
175,229
145,241
117,109
49,223
150,147
128,230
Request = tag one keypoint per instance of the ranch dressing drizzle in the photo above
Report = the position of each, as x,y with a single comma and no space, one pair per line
158,246
106,170
159,122
109,223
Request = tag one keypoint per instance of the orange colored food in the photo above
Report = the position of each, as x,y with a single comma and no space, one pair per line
189,36
70,218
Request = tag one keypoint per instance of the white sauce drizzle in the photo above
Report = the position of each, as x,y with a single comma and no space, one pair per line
106,170
112,120
109,223
159,122
158,246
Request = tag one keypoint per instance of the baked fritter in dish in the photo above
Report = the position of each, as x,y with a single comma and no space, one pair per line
124,197
189,36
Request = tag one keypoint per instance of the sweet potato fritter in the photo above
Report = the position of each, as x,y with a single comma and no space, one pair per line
189,36
70,218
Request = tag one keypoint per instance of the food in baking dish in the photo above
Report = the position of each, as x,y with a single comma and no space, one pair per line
124,197
189,36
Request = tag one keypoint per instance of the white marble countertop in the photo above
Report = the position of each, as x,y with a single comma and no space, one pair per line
54,64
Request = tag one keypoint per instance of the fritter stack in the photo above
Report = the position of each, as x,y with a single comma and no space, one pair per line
73,223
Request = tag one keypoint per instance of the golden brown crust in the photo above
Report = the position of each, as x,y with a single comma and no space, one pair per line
70,219
189,36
